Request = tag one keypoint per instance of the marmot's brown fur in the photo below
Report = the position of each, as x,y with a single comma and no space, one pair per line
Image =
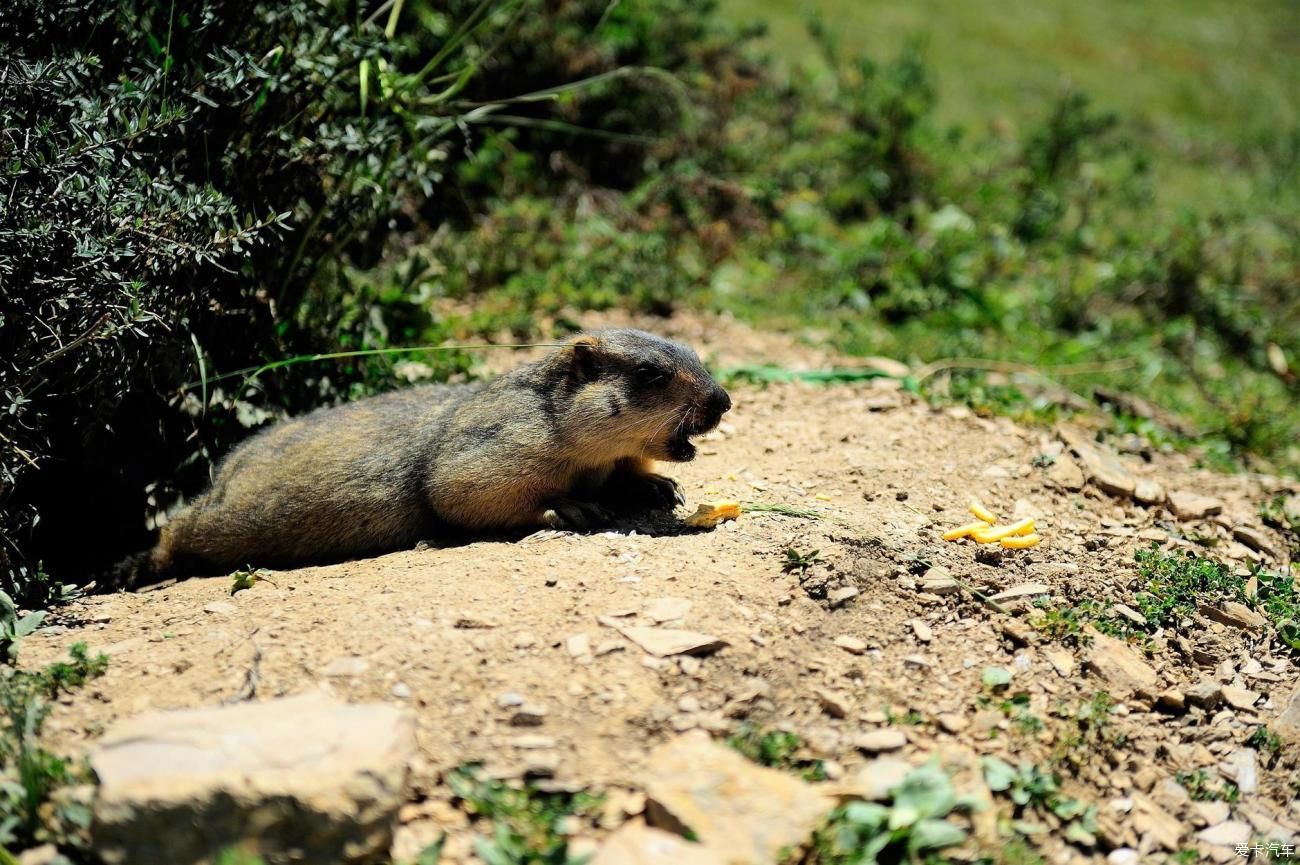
562,442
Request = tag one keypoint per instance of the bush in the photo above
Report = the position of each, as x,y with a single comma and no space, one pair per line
204,187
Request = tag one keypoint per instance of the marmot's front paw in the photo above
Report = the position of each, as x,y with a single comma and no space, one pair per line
641,492
575,515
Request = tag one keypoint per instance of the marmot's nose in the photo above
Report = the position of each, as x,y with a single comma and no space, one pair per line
718,405
719,402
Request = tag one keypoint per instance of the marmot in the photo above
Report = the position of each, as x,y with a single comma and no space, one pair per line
563,442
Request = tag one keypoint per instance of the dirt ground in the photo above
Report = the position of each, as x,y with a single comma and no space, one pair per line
464,635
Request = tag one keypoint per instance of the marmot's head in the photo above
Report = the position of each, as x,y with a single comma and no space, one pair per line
632,393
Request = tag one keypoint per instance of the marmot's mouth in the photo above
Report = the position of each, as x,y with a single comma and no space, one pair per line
680,447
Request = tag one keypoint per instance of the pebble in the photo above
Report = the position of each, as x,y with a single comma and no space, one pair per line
528,715
852,645
510,699
842,596
1207,694
221,608
938,581
1189,506
1024,590
922,630
833,703
346,666
578,645
1239,698
401,691
1172,699
953,723
1230,833
662,610
876,741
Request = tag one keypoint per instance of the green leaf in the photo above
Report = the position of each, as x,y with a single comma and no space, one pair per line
935,834
996,677
998,774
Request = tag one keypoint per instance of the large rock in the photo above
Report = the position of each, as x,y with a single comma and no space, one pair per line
1189,506
1287,725
303,779
1121,669
745,811
1100,466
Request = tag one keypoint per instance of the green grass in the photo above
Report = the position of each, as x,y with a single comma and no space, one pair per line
1202,82
519,825
30,776
776,749
1202,788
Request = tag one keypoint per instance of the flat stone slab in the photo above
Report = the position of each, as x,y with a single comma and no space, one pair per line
303,779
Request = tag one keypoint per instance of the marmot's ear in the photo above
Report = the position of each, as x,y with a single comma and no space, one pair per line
584,356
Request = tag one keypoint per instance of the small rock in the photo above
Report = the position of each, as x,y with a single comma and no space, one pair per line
577,645
1119,667
1189,506
834,703
1148,817
1024,590
952,723
1287,724
1207,694
221,608
473,622
922,630
401,691
347,666
1213,813
1131,614
510,699
1100,466
528,715
662,610
1242,768
731,804
1253,538
638,844
938,581
1061,660
875,741
662,642
46,854
1239,698
1173,699
852,645
1123,856
1227,834
842,596
1148,492
1234,614
1066,474
876,779
329,772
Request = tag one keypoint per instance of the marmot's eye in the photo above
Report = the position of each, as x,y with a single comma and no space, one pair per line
651,376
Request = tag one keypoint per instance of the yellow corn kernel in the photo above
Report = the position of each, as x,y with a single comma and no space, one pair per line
1021,542
709,514
997,533
982,512
963,531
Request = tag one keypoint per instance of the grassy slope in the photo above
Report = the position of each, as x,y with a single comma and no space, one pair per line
1201,80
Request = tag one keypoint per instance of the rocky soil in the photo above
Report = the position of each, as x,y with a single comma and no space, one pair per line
607,661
